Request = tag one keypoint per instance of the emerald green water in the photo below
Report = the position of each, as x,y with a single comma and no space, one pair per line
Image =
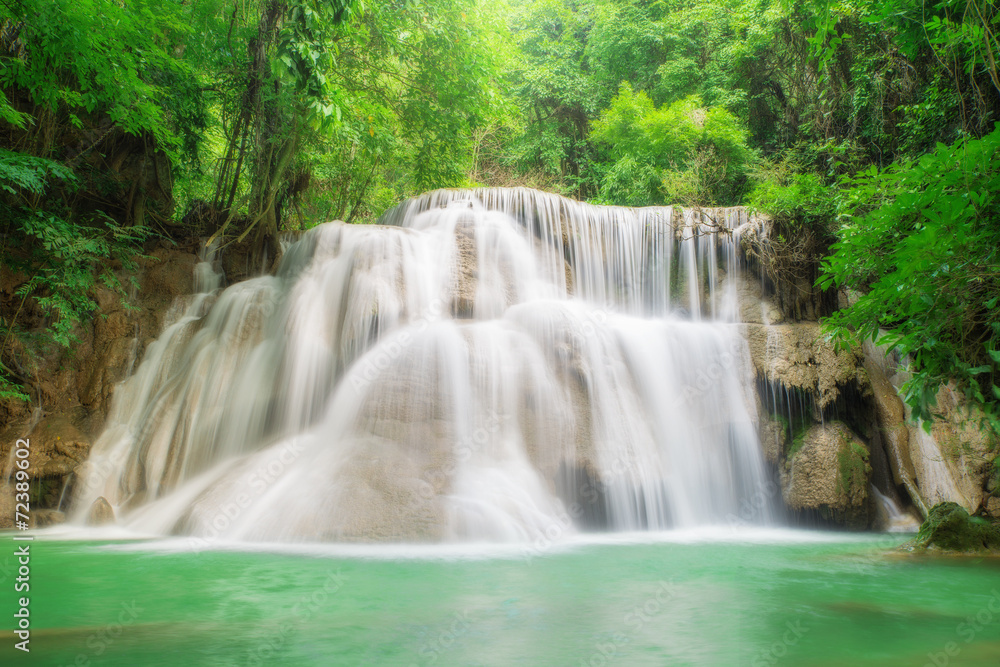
798,599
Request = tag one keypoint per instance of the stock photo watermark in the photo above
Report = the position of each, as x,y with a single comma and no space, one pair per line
967,631
607,651
22,547
443,639
793,634
100,641
303,609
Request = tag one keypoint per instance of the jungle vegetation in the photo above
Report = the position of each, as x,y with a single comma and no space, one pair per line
868,128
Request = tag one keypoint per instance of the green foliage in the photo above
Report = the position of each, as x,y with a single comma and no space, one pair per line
810,73
22,174
71,258
631,182
700,154
794,197
10,390
919,246
62,258
550,79
81,57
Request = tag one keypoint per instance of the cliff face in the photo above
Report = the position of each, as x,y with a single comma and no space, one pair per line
814,407
72,389
953,462
808,389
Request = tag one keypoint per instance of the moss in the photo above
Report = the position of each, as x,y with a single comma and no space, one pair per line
852,463
993,481
951,449
949,526
39,490
797,433
781,419
798,440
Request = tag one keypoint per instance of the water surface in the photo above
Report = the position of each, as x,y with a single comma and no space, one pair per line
764,598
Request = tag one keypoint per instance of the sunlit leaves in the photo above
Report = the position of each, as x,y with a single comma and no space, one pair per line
97,56
922,250
701,154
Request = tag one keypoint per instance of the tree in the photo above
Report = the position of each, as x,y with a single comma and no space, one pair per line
700,155
920,248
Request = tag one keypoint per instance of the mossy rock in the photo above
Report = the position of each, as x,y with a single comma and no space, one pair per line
853,468
949,526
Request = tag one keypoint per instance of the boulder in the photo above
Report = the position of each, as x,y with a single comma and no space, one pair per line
100,513
829,473
992,507
949,526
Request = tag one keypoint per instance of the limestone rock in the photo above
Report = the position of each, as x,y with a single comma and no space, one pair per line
465,272
891,417
773,438
992,506
830,474
756,307
57,446
46,517
798,356
169,273
37,517
790,283
965,446
100,513
6,506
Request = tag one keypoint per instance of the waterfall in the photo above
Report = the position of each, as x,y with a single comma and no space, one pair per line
892,517
494,364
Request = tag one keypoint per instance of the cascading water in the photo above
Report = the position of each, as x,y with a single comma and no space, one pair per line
484,365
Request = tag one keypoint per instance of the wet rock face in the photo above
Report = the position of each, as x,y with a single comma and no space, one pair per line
799,356
789,268
949,526
891,420
773,438
829,473
966,447
75,387
992,507
756,307
100,513
58,445
465,272
953,462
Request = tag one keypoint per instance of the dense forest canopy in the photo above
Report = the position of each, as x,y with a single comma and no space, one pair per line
864,129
